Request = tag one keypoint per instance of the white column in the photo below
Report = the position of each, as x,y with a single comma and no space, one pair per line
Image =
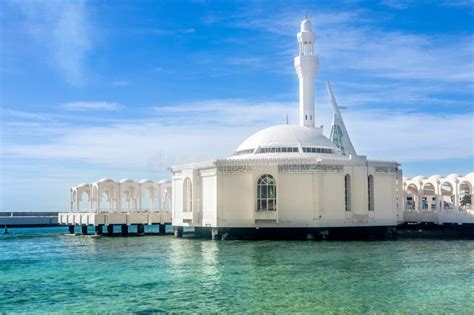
456,195
437,197
119,198
99,197
71,199
162,198
140,197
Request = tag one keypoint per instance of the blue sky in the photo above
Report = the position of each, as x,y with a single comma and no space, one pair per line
93,89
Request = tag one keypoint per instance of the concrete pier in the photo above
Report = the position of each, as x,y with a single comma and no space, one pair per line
109,219
178,231
124,229
71,229
84,229
140,229
98,229
162,229
28,219
215,234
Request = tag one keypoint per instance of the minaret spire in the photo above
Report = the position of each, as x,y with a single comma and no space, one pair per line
306,66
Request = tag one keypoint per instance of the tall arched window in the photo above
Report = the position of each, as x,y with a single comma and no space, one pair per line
187,195
370,191
347,192
266,193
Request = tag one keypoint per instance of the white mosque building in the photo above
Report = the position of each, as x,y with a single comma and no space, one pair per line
285,180
291,178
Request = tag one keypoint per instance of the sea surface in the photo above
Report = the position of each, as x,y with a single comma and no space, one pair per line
44,270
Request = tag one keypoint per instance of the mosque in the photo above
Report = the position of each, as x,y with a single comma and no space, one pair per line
290,178
285,180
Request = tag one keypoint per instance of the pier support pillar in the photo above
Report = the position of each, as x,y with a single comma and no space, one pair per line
324,234
84,229
124,229
215,234
98,229
110,229
178,231
162,229
310,236
71,229
140,229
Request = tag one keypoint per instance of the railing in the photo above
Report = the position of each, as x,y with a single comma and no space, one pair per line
28,214
115,210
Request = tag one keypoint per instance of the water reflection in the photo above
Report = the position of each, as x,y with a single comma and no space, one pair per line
210,265
161,273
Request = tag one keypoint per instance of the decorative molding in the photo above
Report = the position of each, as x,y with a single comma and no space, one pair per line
380,169
310,167
232,169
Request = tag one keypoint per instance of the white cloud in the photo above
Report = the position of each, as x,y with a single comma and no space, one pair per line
408,137
228,112
183,134
24,115
353,41
396,4
458,3
80,106
58,155
64,28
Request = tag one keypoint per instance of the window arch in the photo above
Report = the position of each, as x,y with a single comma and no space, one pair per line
187,195
347,192
266,193
370,192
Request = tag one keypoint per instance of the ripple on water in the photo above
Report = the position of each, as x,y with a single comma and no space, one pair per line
44,270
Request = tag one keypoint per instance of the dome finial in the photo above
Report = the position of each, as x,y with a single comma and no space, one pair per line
306,15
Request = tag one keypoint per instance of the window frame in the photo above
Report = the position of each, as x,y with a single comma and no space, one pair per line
347,192
370,193
266,193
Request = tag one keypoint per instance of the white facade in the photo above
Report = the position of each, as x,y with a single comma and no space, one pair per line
291,176
309,192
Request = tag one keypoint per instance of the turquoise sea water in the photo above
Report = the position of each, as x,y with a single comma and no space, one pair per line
44,270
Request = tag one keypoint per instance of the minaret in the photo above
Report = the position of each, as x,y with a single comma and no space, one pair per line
306,65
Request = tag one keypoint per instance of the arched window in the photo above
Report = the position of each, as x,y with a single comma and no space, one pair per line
266,193
187,195
370,192
347,192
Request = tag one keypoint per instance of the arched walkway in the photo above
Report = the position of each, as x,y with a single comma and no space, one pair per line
437,193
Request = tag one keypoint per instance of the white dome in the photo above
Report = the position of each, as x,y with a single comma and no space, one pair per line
306,26
286,136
